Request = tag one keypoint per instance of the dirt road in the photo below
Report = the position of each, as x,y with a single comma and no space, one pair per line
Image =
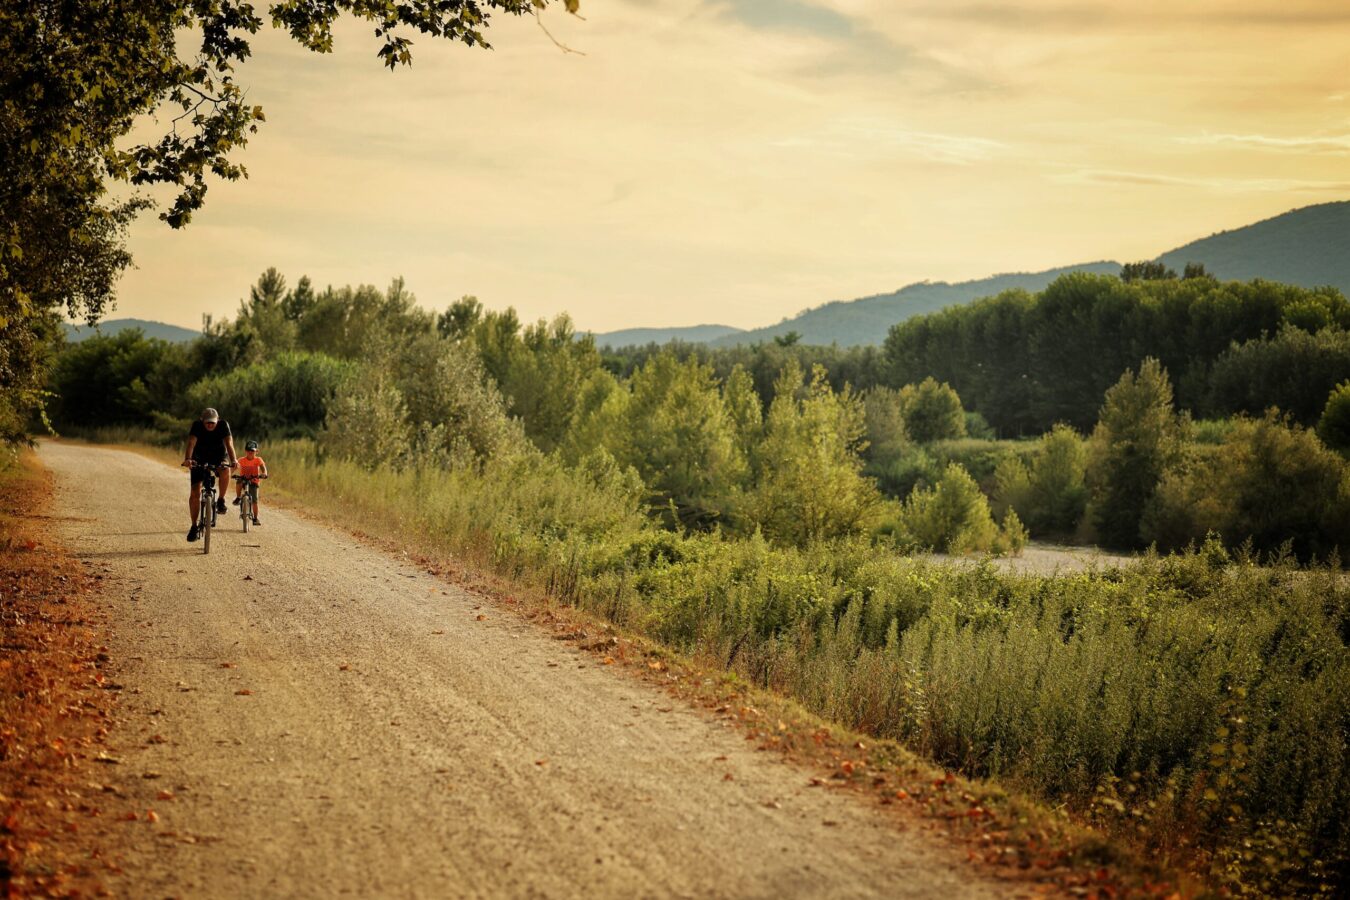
333,720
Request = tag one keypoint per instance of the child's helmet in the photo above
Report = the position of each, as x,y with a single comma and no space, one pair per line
251,445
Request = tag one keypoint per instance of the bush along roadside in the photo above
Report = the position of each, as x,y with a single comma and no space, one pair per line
1195,705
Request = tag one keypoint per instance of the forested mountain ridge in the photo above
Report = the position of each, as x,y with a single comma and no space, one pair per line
851,323
174,334
1308,247
694,334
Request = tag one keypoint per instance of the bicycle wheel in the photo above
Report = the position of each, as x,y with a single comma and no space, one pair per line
244,510
207,522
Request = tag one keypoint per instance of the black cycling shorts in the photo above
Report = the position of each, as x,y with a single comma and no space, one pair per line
199,473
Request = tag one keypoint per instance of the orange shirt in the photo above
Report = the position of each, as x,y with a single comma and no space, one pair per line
251,467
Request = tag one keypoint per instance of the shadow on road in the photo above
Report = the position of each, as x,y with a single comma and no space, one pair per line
187,549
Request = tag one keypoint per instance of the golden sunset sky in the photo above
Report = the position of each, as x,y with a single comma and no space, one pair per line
735,161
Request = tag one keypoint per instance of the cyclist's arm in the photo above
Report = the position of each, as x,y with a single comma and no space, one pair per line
187,451
229,447
264,470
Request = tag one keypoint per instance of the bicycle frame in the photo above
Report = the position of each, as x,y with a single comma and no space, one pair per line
206,512
248,498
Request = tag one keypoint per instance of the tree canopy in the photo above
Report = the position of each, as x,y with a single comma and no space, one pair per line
77,75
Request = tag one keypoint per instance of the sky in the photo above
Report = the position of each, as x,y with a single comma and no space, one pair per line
738,161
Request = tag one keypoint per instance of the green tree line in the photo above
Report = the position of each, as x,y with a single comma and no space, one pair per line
375,377
1027,362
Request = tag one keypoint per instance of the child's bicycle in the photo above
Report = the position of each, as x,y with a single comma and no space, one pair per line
248,500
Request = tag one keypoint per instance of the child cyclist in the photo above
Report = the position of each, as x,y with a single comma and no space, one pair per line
251,466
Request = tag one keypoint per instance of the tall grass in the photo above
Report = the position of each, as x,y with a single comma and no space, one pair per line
1196,697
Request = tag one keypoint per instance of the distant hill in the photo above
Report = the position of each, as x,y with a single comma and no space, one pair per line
693,334
1309,247
171,333
866,321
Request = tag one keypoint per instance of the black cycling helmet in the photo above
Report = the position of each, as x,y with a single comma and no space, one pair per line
251,445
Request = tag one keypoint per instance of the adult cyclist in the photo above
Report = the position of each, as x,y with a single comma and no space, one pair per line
211,446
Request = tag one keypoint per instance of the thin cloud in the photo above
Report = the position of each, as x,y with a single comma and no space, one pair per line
787,15
849,46
872,139
1328,144
1222,185
1078,17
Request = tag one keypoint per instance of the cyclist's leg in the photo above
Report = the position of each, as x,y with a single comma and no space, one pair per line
195,500
222,480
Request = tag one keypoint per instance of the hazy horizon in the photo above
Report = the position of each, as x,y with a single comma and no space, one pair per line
736,161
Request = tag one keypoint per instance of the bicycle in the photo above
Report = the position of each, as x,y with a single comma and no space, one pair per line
248,500
206,513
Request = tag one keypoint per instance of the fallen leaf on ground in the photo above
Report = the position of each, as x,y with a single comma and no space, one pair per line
151,816
227,665
242,692
164,795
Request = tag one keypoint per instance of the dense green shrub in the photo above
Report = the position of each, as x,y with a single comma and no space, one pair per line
953,517
932,411
1270,483
887,437
1294,371
540,368
427,401
981,458
978,427
1138,438
122,379
367,423
899,477
808,474
287,395
1334,425
347,322
1210,431
1050,493
679,435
